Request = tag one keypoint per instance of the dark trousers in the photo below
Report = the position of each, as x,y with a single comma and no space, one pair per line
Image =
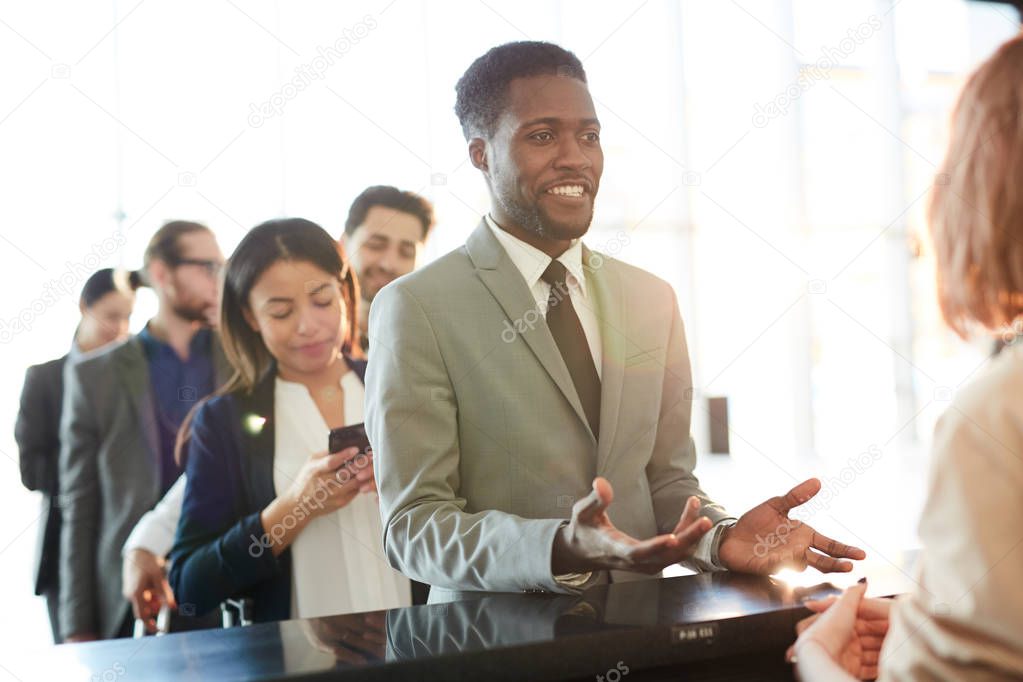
52,596
420,592
127,625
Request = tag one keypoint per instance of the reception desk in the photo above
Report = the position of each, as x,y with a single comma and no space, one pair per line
701,627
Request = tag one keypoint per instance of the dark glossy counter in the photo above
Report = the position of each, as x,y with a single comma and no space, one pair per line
702,627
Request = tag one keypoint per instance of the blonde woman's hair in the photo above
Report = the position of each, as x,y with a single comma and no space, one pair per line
976,207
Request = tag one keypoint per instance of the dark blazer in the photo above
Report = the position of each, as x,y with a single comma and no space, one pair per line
109,478
37,432
217,552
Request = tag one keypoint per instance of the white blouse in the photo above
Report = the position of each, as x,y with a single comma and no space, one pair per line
337,562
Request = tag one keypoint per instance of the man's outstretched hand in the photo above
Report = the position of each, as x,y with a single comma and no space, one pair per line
766,540
591,542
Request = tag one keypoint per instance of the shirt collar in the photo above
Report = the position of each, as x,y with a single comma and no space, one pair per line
149,343
75,352
199,345
531,261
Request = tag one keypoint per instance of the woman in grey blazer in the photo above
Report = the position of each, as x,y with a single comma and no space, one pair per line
106,302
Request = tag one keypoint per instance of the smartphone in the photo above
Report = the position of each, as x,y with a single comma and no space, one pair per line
353,435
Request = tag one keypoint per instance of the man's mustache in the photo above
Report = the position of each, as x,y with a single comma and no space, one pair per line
368,272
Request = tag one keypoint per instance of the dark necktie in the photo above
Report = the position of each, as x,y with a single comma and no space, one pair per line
568,334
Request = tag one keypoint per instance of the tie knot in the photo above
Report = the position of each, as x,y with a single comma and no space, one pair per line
555,273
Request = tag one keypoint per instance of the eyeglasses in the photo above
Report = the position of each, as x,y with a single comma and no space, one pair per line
212,267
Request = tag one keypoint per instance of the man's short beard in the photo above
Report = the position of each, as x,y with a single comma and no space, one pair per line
364,276
531,219
192,313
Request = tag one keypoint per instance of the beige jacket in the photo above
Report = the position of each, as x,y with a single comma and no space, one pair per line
964,621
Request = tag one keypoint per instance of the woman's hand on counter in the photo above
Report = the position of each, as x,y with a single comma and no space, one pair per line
843,639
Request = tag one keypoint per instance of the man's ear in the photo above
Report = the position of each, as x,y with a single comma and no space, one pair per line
156,273
478,154
250,318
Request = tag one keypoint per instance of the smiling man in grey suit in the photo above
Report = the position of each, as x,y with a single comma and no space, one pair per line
522,382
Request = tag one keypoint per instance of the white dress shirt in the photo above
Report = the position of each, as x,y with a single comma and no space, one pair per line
531,263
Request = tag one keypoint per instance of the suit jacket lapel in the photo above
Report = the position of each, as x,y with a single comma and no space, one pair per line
256,412
506,285
604,281
133,371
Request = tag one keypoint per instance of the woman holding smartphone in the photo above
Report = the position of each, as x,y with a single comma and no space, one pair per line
268,513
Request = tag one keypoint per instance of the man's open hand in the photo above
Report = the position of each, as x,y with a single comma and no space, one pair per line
766,540
591,542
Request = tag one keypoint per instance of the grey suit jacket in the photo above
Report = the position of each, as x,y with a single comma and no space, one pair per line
481,444
109,477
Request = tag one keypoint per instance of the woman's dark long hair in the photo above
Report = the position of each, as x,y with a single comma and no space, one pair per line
284,239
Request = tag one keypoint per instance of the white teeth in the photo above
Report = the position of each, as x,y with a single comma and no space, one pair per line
567,190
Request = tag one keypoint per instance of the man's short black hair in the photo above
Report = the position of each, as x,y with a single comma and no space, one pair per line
389,197
482,90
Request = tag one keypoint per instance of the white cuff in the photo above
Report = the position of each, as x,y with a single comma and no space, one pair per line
705,558
573,581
